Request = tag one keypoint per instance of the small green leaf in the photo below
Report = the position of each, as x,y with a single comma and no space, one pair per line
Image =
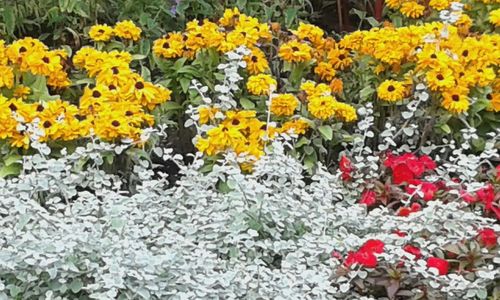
366,92
76,285
326,132
185,82
9,19
445,128
13,169
138,56
246,103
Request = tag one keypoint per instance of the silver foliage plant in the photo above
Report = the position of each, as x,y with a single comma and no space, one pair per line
68,230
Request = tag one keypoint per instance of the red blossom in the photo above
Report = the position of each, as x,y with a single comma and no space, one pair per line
429,189
468,197
487,237
413,250
366,259
368,198
406,211
440,264
399,233
429,164
346,168
406,167
374,246
336,254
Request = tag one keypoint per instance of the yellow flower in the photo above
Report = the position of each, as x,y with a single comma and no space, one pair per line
322,107
325,71
207,114
463,24
295,51
439,4
256,62
101,33
284,105
336,85
127,30
345,112
494,104
261,84
171,46
391,91
6,77
339,58
308,87
230,17
299,126
494,17
309,33
22,91
455,103
393,4
412,9
440,79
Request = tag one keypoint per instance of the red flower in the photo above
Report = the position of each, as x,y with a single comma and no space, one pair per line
429,189
413,250
346,168
415,207
486,194
487,237
440,264
366,259
468,197
368,198
429,164
336,254
406,211
351,259
399,233
373,246
401,173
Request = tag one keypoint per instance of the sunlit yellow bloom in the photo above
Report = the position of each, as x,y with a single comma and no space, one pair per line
101,33
6,77
494,99
261,84
127,30
391,91
494,17
299,126
295,51
412,9
207,114
256,62
440,79
171,46
455,103
309,33
325,71
322,107
339,58
230,17
344,112
284,104
21,91
336,85
439,4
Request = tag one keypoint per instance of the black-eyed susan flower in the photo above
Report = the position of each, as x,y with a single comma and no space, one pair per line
440,79
391,91
454,102
298,126
284,104
309,33
256,62
261,84
439,4
339,58
127,30
494,101
171,46
6,77
494,17
101,33
295,51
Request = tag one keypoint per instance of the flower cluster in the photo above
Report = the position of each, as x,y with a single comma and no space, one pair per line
126,30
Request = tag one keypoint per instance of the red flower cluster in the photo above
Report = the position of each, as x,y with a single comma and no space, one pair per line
406,211
487,196
368,198
346,168
440,264
408,167
487,237
365,256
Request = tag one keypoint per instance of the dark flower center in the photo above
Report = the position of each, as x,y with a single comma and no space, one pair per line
128,113
13,107
46,59
440,77
22,49
96,94
455,98
295,49
235,122
341,56
391,88
166,45
101,30
47,124
112,87
254,58
139,85
39,108
433,56
115,123
489,97
115,70
465,53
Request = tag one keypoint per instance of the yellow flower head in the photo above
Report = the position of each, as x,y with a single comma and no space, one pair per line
494,17
299,126
101,33
439,4
230,18
494,99
454,102
261,84
393,4
6,77
322,107
345,112
127,30
171,46
412,9
284,104
339,58
440,79
207,114
336,85
256,62
325,71
295,51
391,91
309,33
22,91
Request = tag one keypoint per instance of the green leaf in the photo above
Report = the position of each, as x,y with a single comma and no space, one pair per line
445,128
326,132
185,82
9,19
145,73
366,92
179,63
12,159
76,285
302,141
372,22
138,56
13,169
361,14
171,106
290,16
246,103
